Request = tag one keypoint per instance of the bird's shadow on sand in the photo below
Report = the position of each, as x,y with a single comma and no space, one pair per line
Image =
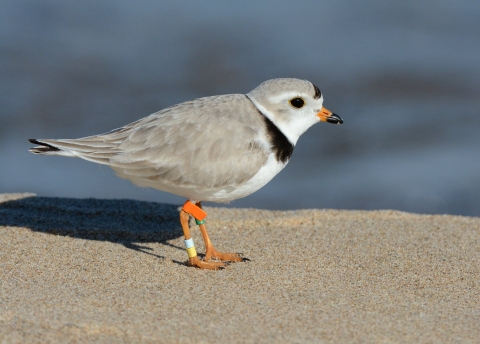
126,222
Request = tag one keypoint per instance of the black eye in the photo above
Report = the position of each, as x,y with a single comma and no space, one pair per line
297,102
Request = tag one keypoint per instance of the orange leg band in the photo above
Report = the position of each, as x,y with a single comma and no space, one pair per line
194,210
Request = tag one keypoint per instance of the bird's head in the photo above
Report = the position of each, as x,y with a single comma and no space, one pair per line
293,105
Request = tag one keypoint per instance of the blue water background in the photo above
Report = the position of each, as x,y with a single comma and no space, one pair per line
404,75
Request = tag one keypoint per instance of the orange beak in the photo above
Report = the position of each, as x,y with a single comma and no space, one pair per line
328,116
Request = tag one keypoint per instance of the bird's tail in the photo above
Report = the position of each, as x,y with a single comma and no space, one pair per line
89,148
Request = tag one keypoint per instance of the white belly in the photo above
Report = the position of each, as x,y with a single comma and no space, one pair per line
262,177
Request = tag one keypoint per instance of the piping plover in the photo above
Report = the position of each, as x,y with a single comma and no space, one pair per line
215,149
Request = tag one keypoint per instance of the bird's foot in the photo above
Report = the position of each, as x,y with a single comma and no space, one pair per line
201,264
226,257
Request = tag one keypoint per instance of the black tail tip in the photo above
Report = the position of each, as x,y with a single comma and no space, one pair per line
45,147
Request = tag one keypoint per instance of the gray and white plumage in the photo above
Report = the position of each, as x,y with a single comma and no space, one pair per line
216,148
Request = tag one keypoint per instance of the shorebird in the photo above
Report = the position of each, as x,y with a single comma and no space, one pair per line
215,149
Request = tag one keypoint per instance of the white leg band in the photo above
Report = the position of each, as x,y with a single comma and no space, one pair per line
189,243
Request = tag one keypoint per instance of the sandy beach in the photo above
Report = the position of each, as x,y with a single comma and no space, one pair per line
90,270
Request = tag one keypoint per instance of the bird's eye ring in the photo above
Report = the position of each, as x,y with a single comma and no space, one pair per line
297,102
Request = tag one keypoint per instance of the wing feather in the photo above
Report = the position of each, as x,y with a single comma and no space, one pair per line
215,142
210,142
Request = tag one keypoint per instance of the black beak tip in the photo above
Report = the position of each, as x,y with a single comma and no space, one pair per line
335,119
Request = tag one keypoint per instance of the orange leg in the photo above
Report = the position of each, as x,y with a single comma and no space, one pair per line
192,255
211,252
